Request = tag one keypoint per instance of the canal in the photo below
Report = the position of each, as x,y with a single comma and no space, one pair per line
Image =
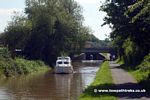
49,86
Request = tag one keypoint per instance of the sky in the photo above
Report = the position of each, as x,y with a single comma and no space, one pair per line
93,18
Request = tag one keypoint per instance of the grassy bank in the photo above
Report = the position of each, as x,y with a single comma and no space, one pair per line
103,81
140,72
19,66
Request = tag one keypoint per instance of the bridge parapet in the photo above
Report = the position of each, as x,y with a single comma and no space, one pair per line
99,50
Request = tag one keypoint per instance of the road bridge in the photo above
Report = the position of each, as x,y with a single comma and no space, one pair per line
94,53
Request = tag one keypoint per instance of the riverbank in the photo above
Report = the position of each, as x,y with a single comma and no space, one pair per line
140,72
103,81
19,66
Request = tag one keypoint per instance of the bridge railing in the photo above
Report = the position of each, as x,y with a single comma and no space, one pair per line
105,49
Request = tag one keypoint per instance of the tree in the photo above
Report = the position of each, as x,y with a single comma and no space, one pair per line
49,28
17,32
127,34
2,39
140,17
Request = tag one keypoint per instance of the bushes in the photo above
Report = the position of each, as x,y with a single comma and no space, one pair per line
10,67
25,66
6,62
145,65
142,74
143,70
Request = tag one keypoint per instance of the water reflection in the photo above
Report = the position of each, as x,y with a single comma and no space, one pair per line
48,86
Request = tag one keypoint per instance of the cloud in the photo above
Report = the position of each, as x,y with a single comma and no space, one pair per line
6,15
88,1
9,10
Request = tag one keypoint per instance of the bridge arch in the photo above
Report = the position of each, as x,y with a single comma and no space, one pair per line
96,52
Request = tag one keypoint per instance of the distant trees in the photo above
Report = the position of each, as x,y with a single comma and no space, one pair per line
130,22
49,28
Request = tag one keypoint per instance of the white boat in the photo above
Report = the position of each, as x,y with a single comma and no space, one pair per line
63,65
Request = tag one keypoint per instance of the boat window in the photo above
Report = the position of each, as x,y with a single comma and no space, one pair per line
66,58
59,62
66,62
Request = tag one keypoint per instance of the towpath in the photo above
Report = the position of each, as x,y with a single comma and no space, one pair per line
123,80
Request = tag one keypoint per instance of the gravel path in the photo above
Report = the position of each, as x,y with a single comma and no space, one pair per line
123,80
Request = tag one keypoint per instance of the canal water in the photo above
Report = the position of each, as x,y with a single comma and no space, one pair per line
49,86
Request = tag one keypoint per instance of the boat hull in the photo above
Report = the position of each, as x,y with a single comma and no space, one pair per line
63,70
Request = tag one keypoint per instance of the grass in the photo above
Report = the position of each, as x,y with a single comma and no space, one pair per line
103,81
120,61
104,54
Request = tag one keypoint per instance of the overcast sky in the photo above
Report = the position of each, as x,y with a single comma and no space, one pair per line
93,17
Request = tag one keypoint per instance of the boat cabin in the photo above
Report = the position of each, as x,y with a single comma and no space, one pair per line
63,62
63,65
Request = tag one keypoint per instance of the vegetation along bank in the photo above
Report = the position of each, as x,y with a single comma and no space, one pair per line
19,66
